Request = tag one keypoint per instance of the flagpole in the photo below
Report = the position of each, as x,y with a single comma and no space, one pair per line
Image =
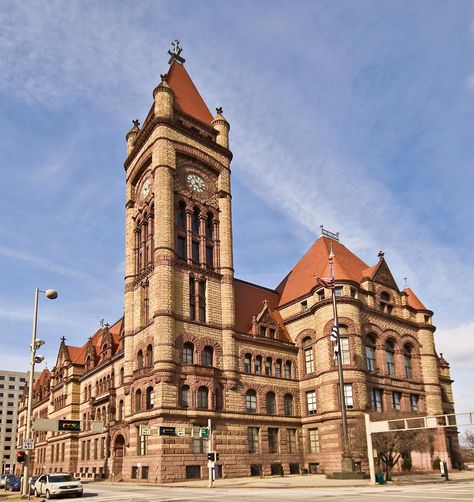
346,453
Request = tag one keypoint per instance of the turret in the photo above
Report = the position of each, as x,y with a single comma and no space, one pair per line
132,136
164,99
221,125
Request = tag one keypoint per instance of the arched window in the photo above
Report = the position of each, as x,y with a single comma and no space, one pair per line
258,365
195,220
370,352
181,215
149,356
390,356
248,363
140,359
203,398
288,369
138,400
268,366
121,411
184,401
308,355
209,223
251,401
288,405
188,350
207,354
344,341
270,403
122,376
150,398
407,356
278,368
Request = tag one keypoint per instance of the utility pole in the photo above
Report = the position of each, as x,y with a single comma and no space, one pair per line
209,463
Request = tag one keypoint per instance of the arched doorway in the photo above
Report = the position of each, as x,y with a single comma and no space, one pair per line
118,454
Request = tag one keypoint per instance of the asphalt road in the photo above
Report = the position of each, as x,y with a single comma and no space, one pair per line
416,493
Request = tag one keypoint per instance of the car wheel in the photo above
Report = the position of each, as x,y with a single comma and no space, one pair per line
48,495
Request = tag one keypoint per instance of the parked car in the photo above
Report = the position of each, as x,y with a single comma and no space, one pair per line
13,483
32,484
57,484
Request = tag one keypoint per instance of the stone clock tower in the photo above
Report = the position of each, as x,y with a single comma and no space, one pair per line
179,300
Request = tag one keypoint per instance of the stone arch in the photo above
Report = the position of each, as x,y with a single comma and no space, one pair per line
217,349
346,321
305,334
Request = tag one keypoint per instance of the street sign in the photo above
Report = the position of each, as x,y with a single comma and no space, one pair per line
69,425
167,431
204,432
28,444
180,431
145,430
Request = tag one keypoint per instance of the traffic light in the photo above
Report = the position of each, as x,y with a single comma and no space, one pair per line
20,456
213,456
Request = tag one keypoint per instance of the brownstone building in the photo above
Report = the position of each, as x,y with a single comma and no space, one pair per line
197,344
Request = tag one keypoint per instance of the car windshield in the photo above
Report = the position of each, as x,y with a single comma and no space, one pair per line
61,478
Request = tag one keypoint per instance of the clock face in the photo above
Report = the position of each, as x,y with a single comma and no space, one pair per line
145,189
196,183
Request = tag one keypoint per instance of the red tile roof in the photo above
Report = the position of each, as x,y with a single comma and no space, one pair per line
300,281
249,300
413,300
187,97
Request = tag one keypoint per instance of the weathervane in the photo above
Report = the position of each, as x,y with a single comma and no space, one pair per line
175,53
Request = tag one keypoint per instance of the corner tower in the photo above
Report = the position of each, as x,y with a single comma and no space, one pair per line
179,264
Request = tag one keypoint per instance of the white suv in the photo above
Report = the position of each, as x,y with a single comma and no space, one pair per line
51,485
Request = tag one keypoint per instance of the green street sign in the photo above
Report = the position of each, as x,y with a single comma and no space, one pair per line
204,432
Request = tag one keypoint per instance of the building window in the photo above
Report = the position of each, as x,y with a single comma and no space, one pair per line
396,396
370,353
308,355
407,359
414,399
338,291
121,411
185,396
268,366
304,305
251,401
348,396
353,292
376,398
252,439
188,350
313,440
209,225
138,400
195,251
210,256
345,351
390,356
149,398
258,365
385,305
192,299
142,444
140,359
203,398
321,295
288,369
291,440
122,376
207,354
248,363
181,247
195,221
181,216
202,301
270,403
149,356
311,402
288,405
272,440
278,368
200,446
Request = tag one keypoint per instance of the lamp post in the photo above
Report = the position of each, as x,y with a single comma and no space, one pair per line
35,345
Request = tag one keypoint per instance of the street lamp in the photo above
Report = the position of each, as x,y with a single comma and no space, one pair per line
35,345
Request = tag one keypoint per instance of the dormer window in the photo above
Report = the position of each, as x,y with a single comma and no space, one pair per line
385,303
338,291
304,305
321,295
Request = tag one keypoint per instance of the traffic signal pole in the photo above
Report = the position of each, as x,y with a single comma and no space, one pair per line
210,449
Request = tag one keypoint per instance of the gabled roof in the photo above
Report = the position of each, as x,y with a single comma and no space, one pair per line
249,299
187,97
301,279
413,300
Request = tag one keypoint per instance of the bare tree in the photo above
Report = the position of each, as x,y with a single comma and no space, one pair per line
467,446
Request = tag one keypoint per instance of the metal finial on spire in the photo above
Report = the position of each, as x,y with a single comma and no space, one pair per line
219,110
175,53
381,254
101,322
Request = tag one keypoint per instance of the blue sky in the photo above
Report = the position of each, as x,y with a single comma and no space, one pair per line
355,115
